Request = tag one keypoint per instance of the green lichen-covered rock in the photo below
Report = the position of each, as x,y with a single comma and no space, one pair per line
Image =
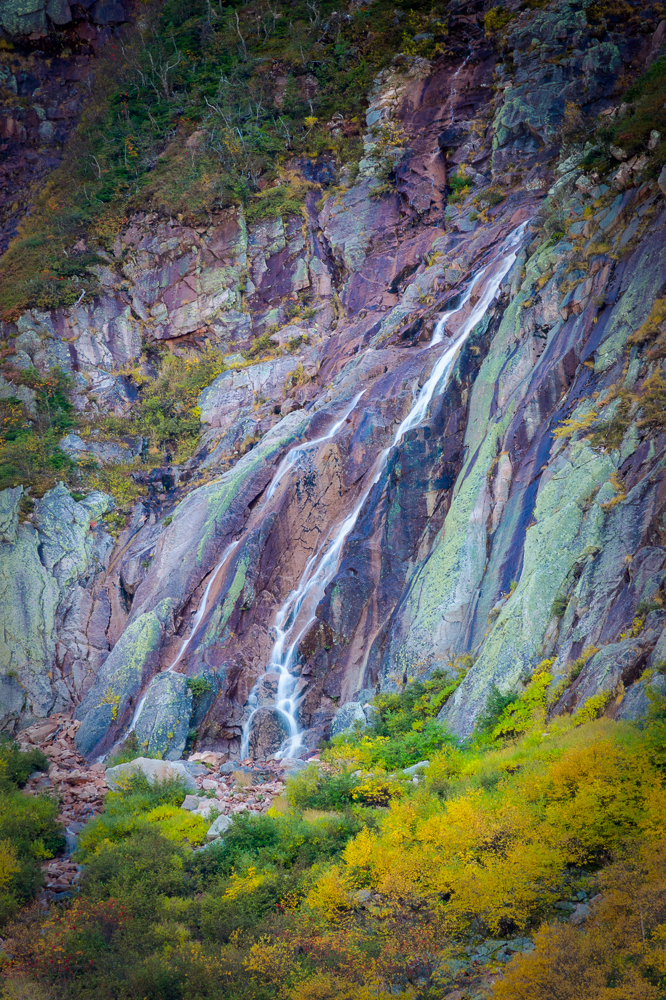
164,722
562,532
432,614
9,513
43,567
22,17
152,770
350,219
117,685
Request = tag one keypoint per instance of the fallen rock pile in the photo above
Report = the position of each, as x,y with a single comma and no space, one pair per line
218,788
79,787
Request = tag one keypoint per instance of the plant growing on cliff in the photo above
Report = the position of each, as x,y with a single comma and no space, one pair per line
29,451
460,184
182,117
496,19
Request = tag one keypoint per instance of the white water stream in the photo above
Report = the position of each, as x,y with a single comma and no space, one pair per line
286,464
453,91
297,613
292,457
195,625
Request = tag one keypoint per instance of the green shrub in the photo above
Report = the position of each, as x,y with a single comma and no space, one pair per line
29,825
29,831
128,752
277,202
17,765
645,113
460,185
497,19
140,806
29,451
560,605
313,788
138,870
496,706
199,686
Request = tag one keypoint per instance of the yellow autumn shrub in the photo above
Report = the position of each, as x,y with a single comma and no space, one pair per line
9,864
330,896
618,954
498,856
270,961
329,986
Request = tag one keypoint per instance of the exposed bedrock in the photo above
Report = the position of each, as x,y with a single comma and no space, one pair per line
488,537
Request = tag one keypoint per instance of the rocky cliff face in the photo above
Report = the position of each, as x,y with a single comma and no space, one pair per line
446,454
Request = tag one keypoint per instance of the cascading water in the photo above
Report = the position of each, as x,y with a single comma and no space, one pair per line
195,625
292,457
301,604
453,91
287,463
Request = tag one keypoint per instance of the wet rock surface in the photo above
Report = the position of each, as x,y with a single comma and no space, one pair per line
268,729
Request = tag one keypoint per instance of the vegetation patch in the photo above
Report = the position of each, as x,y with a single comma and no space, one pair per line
187,114
364,879
29,830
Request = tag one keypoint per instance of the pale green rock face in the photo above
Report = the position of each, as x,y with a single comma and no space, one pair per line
442,588
42,565
9,513
122,677
561,534
209,513
163,724
642,285
348,223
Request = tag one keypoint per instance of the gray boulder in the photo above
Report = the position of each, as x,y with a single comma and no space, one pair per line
293,765
347,716
218,827
191,802
230,766
153,770
414,768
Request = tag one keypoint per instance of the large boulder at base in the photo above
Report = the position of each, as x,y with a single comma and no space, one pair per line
292,765
268,730
164,720
154,770
347,716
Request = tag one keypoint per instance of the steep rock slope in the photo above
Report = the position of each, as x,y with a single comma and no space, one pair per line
478,533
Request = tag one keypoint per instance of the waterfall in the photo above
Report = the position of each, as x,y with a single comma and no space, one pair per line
453,91
201,610
291,458
287,463
322,565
